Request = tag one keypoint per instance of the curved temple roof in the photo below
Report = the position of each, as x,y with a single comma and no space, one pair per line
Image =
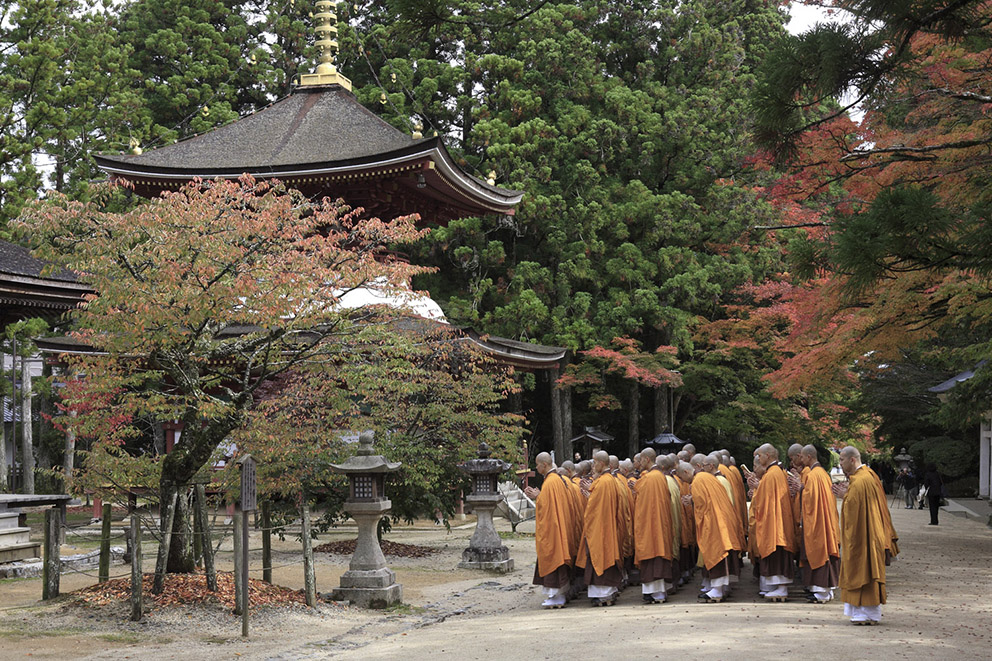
321,139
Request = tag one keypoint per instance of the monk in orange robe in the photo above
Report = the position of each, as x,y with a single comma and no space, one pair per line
774,527
666,463
864,538
737,483
718,528
599,554
687,550
653,525
795,454
819,552
625,516
892,538
555,533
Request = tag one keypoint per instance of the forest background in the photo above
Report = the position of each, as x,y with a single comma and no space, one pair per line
727,252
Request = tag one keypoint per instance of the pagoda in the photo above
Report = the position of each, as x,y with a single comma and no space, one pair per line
320,140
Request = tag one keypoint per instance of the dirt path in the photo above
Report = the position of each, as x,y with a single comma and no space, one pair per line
938,608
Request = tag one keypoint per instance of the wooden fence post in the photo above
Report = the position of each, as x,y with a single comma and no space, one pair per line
104,573
136,574
52,566
266,543
239,520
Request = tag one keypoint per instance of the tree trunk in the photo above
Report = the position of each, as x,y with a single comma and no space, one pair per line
181,560
633,420
158,438
167,515
661,422
566,420
69,457
27,438
207,542
556,426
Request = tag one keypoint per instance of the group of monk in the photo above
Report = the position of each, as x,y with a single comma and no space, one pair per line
603,524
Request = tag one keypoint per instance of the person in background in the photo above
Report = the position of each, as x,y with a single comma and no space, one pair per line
935,491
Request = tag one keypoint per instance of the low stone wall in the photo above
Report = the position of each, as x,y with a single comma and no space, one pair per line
32,567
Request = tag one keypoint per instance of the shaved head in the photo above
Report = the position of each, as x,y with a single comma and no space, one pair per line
850,460
665,462
696,462
683,455
685,471
649,454
584,467
690,448
766,455
795,449
809,455
614,462
569,467
544,463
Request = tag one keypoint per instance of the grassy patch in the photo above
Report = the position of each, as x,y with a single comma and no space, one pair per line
506,534
406,609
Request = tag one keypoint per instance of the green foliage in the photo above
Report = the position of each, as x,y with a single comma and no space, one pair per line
954,458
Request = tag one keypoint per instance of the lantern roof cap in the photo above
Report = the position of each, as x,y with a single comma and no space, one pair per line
364,461
484,464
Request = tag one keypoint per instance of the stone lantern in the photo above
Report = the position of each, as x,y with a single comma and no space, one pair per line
368,583
485,550
902,459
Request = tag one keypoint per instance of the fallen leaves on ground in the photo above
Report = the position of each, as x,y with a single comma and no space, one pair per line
189,589
397,549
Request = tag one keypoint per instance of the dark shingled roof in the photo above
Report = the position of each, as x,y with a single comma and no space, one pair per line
313,125
17,260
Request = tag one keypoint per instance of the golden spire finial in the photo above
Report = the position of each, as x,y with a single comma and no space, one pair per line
492,178
327,39
418,130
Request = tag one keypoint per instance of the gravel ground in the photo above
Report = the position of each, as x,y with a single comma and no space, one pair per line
938,608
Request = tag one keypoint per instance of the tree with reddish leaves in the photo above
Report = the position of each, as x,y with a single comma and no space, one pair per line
204,296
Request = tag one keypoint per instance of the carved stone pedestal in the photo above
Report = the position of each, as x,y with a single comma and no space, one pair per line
485,549
368,583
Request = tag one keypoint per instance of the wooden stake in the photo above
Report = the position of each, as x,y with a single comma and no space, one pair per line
104,572
52,566
266,543
238,558
136,574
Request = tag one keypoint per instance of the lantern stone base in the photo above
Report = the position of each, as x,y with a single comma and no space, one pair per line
494,559
369,588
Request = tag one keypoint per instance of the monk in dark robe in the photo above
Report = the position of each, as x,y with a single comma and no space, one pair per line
653,552
555,533
864,539
718,529
775,528
819,551
599,554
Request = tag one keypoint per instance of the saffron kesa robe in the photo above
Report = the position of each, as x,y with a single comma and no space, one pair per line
652,518
717,524
864,541
674,500
740,492
821,531
555,529
600,541
892,537
774,526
